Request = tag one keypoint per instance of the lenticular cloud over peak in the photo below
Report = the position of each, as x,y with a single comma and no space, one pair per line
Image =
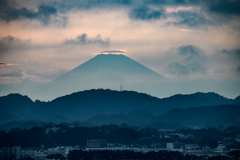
116,51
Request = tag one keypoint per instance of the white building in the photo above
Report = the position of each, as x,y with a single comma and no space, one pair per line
170,145
220,148
17,152
191,147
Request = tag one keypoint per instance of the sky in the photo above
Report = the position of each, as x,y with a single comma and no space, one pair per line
186,41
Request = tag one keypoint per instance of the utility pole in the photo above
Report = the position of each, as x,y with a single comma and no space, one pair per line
121,88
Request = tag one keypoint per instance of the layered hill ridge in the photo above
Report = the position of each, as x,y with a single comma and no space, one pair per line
85,104
193,116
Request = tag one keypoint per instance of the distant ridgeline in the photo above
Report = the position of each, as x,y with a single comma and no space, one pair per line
116,107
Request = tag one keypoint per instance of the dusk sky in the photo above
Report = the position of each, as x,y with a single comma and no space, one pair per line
183,40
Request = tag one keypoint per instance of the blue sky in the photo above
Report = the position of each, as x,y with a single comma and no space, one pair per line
183,40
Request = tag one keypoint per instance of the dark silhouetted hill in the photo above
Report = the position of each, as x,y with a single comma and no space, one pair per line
208,116
22,124
134,118
177,118
6,117
213,97
101,101
86,104
237,100
16,103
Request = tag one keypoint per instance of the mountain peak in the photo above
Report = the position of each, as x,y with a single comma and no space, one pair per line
111,67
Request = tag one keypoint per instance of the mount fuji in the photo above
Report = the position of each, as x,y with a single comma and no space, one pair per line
109,69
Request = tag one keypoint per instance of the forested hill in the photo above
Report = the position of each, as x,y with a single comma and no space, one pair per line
208,116
195,116
85,104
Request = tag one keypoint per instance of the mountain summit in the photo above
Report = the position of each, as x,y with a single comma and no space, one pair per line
110,68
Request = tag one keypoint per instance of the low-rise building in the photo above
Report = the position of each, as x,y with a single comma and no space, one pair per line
170,145
220,148
97,143
175,146
191,147
31,151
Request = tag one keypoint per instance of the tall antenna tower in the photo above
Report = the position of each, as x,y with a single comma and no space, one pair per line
121,88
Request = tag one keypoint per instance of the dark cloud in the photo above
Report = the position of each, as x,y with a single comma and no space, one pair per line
193,62
236,69
189,50
225,7
197,68
171,2
177,68
234,53
3,3
89,4
193,58
83,40
156,2
104,2
64,6
144,13
3,64
7,64
6,42
12,75
180,1
10,39
61,21
43,14
222,8
190,19
218,6
32,72
125,2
